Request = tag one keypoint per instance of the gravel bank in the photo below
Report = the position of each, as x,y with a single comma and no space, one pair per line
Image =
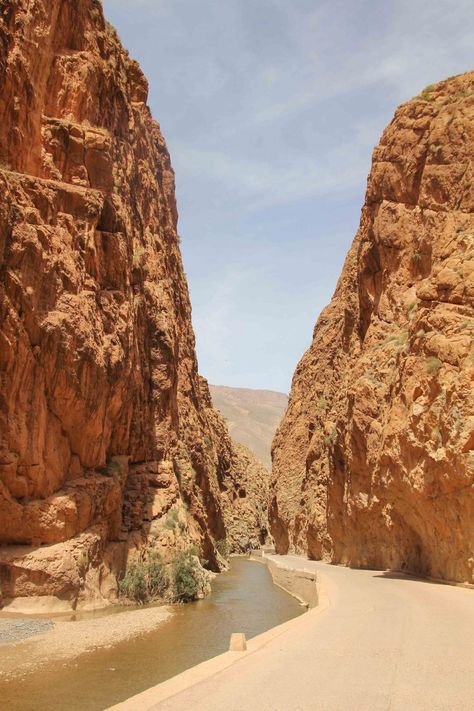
21,652
12,631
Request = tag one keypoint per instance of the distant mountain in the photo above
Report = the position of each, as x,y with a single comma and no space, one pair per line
252,415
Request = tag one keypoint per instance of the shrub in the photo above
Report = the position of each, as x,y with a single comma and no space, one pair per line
185,576
172,519
322,403
397,340
223,548
433,364
156,573
144,580
426,93
133,584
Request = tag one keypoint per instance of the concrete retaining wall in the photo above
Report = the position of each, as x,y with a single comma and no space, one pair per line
302,584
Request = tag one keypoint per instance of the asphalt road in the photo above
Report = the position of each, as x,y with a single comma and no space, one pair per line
382,642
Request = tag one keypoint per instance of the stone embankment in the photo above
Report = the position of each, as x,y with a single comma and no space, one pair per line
298,581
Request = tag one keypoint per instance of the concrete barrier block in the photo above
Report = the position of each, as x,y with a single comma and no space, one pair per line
238,643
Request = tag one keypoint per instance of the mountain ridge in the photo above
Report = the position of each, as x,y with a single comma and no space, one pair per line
253,416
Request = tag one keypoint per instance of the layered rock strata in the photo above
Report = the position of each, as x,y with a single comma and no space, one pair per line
374,461
107,440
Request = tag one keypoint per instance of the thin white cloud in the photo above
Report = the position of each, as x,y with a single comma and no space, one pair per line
271,109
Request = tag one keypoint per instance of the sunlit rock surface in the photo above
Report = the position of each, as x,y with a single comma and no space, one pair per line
374,461
107,439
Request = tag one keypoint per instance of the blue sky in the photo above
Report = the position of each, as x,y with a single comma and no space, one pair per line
271,110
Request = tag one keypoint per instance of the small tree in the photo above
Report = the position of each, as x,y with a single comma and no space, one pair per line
186,576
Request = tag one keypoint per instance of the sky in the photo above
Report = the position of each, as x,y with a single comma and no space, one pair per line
271,110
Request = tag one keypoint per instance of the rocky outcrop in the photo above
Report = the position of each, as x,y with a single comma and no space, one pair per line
106,437
374,461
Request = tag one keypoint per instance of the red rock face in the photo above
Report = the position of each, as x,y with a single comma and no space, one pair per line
104,423
374,461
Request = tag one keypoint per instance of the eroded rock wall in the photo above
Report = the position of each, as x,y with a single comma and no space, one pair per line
106,440
374,461
243,483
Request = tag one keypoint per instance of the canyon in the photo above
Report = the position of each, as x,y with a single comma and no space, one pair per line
124,472
109,444
373,465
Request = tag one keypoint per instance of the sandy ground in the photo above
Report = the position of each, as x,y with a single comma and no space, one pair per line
66,640
381,642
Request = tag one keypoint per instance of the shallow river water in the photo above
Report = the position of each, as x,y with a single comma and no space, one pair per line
243,600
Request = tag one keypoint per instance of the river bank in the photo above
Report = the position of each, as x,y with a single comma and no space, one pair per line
31,644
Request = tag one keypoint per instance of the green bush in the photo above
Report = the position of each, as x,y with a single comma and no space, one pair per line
157,577
171,520
185,576
133,584
144,580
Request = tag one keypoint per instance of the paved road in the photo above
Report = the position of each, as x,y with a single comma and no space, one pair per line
384,642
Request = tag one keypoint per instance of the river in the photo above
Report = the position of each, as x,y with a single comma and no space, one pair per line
243,599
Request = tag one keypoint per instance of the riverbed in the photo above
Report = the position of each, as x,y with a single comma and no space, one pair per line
243,599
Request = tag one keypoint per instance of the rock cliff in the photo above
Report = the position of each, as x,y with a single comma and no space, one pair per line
374,461
107,438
